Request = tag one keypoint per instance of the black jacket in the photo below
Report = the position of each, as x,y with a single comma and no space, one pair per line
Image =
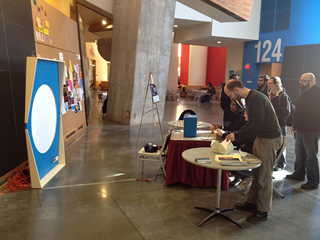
281,105
307,114
263,121
225,105
237,121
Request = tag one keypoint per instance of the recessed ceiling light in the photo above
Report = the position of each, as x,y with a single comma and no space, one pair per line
104,22
175,25
219,42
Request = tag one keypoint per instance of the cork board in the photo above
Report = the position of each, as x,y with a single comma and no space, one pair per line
56,37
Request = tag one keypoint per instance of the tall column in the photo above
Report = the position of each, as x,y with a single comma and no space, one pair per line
141,43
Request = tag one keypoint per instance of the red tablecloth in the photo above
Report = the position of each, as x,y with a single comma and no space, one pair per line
179,170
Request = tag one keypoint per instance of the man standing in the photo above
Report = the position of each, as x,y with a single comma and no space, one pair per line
225,103
281,104
262,84
263,123
306,126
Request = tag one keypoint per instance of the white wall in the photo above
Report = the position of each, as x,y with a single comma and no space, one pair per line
101,64
173,67
198,65
234,58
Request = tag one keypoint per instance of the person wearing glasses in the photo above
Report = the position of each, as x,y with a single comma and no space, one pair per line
306,127
243,178
281,104
263,123
262,84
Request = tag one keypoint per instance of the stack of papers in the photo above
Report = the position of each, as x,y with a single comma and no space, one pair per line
230,160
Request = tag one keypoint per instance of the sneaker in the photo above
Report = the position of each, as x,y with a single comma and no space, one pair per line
278,168
308,186
235,182
292,176
246,206
246,182
257,217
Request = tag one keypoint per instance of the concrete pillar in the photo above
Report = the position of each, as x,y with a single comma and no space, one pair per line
141,44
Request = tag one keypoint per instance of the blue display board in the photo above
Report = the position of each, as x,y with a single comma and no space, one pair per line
43,124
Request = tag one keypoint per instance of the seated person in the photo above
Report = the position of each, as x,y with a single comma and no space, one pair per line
237,121
183,92
246,146
210,92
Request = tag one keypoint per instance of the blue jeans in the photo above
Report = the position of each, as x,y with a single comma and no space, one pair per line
282,162
306,150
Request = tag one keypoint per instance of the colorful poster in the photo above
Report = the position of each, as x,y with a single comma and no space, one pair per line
63,109
70,86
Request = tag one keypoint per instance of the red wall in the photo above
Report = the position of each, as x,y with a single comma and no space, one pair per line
216,65
184,74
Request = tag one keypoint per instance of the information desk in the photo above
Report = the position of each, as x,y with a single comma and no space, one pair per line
180,171
190,156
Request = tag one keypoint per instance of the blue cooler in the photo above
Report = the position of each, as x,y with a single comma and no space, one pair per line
190,125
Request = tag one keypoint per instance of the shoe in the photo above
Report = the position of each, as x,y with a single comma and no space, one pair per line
257,217
292,176
278,168
246,182
235,182
308,186
246,206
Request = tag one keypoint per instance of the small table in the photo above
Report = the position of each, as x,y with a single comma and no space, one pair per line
180,171
179,124
191,154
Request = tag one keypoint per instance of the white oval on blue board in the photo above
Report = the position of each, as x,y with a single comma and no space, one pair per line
43,118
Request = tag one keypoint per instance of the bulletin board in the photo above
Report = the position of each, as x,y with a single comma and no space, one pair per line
56,37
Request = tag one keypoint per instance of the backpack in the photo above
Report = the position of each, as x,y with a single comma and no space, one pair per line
289,119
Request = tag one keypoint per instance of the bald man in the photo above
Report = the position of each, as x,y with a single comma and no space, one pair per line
306,126
263,123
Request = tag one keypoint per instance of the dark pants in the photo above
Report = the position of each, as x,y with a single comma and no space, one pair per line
306,150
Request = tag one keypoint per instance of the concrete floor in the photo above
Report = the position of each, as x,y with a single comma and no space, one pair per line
96,196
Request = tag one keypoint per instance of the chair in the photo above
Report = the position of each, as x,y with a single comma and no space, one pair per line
189,93
279,153
188,111
169,95
177,95
197,95
158,156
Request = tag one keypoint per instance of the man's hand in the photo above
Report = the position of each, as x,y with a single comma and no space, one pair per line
231,137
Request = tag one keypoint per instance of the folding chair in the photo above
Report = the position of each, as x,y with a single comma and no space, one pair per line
279,153
158,156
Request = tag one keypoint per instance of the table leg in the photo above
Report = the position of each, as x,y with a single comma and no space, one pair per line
217,211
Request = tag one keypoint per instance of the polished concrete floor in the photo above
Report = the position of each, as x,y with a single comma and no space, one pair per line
96,196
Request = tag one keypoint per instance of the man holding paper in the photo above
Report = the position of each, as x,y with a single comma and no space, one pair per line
263,124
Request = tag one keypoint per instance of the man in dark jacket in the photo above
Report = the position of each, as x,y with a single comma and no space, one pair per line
306,126
263,123
225,102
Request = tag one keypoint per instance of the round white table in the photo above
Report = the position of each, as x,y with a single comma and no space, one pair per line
180,124
191,154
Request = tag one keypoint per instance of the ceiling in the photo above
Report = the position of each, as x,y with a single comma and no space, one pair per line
93,24
91,18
